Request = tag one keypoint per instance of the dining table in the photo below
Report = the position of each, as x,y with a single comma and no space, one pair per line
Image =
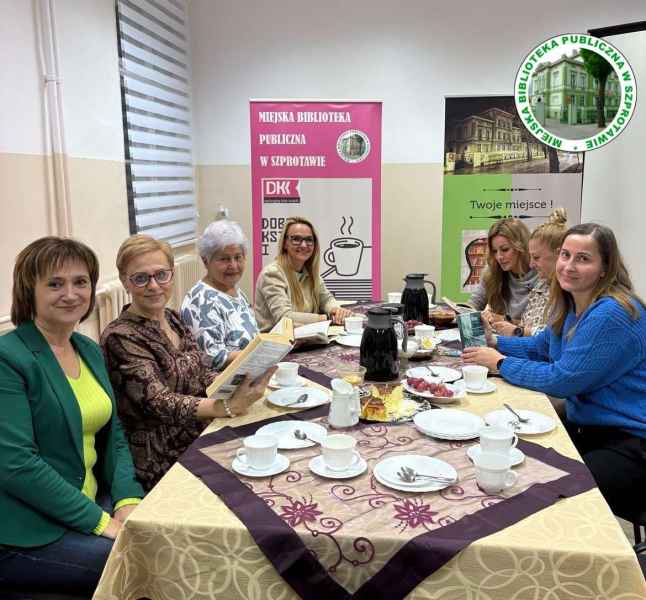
204,531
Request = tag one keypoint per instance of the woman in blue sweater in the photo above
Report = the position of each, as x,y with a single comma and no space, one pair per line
594,355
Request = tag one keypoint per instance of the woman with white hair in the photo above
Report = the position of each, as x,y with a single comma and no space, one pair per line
215,309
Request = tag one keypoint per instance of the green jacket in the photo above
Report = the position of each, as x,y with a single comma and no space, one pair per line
41,446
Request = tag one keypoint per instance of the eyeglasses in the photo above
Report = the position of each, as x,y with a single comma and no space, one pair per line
297,240
143,279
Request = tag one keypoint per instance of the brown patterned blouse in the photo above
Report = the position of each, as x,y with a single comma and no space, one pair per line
158,388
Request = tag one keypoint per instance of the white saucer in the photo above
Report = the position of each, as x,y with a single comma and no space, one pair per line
448,335
444,374
487,388
298,381
284,431
349,339
516,455
449,424
383,469
538,423
285,397
317,466
280,464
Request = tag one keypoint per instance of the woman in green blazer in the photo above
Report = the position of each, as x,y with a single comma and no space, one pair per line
60,438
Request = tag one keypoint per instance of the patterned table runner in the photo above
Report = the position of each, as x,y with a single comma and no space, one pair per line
357,538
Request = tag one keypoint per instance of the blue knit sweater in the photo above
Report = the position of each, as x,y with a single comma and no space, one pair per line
600,369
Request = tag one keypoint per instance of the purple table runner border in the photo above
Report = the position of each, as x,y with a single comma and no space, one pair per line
286,551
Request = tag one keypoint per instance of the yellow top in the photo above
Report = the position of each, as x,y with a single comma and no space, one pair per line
96,411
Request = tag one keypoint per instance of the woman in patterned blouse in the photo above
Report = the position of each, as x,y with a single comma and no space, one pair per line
158,372
215,309
544,244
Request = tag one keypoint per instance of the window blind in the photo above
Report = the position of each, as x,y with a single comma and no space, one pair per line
155,90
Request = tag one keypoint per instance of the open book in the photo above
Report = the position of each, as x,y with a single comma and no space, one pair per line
458,307
264,351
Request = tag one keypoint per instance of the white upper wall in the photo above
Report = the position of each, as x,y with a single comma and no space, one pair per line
21,99
89,73
409,54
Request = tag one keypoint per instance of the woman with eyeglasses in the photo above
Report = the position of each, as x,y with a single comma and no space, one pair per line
158,371
215,309
291,286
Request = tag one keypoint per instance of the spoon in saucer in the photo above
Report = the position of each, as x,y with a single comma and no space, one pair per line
302,398
302,436
513,412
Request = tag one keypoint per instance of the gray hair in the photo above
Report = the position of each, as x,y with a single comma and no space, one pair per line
218,235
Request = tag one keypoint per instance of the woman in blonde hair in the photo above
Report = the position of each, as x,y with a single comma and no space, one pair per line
593,354
544,244
508,279
158,372
291,286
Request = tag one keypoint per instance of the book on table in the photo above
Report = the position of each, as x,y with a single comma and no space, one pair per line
457,307
471,330
261,353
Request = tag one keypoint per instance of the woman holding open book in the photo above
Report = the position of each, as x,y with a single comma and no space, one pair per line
215,309
508,279
291,286
158,372
593,353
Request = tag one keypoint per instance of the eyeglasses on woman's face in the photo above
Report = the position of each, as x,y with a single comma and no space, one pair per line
142,279
297,240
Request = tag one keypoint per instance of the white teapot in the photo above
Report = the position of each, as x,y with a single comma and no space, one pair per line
344,407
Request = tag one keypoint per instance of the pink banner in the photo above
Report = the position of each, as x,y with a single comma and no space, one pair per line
322,161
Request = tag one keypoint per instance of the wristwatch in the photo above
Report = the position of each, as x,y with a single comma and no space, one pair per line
519,331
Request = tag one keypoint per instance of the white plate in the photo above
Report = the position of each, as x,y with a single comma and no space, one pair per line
317,466
284,431
280,464
458,389
444,374
353,340
385,471
285,396
449,335
487,388
538,423
449,424
298,382
515,454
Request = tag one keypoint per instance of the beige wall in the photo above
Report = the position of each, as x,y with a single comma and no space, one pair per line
411,215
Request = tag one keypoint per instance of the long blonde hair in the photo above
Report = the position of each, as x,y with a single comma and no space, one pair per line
552,231
615,281
495,279
311,285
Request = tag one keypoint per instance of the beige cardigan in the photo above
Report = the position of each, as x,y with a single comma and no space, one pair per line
274,301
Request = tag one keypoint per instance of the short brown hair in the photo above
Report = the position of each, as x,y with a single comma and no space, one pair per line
141,244
37,261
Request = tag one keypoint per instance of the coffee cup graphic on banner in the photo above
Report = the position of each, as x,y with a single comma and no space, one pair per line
344,255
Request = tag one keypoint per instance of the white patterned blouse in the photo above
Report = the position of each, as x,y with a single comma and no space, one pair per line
220,323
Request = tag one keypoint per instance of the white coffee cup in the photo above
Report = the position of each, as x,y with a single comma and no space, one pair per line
354,324
338,452
497,439
394,297
412,346
287,373
258,451
475,376
424,331
493,472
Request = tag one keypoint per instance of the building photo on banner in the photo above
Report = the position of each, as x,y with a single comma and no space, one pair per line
322,161
493,169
